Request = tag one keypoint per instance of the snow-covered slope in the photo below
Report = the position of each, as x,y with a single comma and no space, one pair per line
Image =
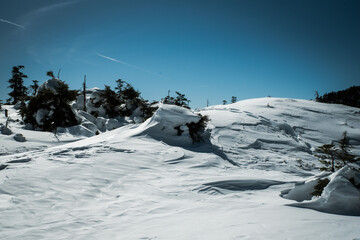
140,182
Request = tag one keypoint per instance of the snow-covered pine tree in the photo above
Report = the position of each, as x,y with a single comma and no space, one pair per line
50,108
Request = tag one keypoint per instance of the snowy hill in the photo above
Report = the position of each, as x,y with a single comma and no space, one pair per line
143,181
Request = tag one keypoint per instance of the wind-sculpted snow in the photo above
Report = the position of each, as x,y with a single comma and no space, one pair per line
242,185
162,125
144,181
340,196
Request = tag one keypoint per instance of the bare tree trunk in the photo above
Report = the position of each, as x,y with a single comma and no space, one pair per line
84,92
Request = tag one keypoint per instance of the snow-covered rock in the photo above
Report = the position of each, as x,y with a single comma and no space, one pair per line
4,130
19,137
112,124
87,116
91,126
101,123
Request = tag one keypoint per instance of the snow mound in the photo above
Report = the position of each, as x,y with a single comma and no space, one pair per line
166,124
4,130
50,84
19,137
340,196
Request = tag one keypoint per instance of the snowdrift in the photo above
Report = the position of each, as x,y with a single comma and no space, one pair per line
340,196
162,125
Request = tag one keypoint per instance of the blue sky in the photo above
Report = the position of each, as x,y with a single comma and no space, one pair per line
205,49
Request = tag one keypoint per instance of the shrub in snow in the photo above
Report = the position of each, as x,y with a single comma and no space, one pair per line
50,107
319,187
125,102
196,129
179,100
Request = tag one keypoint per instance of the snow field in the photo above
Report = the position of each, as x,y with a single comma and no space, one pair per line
145,182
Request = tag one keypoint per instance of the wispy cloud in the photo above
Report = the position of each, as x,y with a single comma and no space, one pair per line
28,18
12,23
131,65
53,6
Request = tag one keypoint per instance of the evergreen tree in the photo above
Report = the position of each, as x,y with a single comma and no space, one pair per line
54,105
224,102
19,92
120,87
233,99
333,157
50,74
349,96
317,96
129,93
34,87
110,102
84,92
180,100
327,154
344,154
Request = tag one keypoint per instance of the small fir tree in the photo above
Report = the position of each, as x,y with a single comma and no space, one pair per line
180,100
50,74
344,154
120,84
34,87
19,91
327,154
333,157
233,99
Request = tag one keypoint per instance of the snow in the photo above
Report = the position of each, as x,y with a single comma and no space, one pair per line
340,196
50,84
143,181
161,125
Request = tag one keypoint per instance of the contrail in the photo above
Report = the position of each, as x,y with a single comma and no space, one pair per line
132,66
17,25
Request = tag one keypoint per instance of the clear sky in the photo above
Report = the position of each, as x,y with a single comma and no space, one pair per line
205,49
